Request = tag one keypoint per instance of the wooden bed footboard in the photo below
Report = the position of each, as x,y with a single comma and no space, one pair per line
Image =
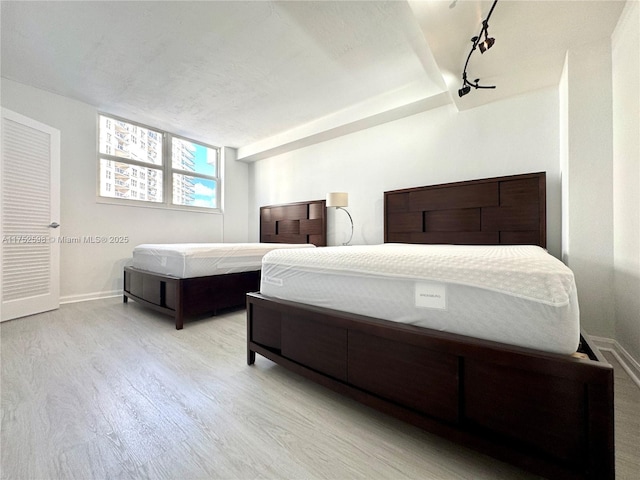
547,413
188,297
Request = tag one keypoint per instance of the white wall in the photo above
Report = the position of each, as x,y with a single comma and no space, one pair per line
563,94
235,199
91,270
626,177
589,223
518,135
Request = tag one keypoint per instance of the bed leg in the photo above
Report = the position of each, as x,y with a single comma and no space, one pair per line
179,322
125,299
251,357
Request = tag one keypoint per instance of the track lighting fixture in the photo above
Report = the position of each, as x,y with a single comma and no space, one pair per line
483,46
464,90
486,45
488,41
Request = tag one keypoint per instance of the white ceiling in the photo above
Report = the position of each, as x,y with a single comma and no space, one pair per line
261,74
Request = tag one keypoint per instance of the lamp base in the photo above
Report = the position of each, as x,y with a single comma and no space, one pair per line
351,220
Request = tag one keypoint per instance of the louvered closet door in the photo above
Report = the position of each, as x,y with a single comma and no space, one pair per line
30,179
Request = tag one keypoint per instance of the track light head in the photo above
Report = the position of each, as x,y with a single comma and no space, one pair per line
487,44
464,90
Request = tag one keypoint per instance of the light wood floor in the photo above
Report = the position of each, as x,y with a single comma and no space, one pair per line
106,390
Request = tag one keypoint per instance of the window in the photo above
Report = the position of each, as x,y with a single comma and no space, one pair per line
149,166
194,174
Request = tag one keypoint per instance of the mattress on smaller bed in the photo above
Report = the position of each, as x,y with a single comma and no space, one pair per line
188,260
514,294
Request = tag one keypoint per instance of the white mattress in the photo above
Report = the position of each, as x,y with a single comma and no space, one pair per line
188,260
518,295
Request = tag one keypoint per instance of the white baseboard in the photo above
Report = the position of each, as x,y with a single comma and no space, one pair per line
628,363
85,297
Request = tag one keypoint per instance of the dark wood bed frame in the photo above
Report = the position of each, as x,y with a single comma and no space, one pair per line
548,413
299,222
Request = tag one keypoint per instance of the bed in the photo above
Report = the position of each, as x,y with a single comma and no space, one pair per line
192,280
544,406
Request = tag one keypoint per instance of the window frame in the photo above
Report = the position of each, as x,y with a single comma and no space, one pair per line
166,167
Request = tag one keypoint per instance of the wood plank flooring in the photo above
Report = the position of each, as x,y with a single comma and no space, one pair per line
104,390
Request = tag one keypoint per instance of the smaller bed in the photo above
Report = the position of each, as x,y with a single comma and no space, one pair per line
189,280
189,260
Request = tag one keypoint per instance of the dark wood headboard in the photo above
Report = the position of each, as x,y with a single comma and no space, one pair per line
503,210
301,222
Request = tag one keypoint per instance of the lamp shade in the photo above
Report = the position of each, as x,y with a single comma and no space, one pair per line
337,199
